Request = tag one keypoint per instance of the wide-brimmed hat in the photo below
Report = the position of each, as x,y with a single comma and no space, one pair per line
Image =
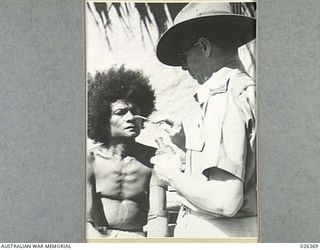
214,18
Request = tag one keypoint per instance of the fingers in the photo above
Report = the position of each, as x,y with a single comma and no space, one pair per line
168,128
159,159
172,130
166,121
163,119
153,160
162,175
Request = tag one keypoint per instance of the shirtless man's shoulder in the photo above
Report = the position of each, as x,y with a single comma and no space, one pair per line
143,154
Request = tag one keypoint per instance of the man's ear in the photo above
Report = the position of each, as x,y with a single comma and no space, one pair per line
206,46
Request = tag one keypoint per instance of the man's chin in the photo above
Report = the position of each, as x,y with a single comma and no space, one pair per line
197,79
132,134
201,80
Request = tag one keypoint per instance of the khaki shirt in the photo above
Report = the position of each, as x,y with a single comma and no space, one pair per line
224,133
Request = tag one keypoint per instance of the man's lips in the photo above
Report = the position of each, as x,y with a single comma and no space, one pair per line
131,127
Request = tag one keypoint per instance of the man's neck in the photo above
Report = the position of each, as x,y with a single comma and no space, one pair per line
231,61
121,148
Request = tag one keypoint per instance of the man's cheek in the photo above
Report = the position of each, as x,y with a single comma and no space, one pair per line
139,124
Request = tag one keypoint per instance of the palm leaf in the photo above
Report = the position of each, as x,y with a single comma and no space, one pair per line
154,11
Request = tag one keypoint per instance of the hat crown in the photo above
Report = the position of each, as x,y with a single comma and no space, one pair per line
195,10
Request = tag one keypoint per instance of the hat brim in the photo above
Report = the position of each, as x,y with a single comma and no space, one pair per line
241,29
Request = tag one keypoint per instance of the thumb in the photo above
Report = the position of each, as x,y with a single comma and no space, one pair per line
154,160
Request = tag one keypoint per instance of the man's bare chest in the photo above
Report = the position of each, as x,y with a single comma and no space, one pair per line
121,178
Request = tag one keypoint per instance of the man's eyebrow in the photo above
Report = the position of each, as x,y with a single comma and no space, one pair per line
120,109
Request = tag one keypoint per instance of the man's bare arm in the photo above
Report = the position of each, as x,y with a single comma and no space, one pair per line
91,232
222,194
157,217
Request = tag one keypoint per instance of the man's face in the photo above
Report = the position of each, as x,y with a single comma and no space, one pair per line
192,59
122,121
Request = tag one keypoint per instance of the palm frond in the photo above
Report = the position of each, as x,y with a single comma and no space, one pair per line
149,13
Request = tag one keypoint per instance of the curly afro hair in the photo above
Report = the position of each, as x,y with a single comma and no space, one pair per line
109,86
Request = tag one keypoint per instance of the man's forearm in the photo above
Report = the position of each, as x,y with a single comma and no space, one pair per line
213,196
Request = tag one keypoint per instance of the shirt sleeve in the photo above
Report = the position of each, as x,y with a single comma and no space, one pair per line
238,132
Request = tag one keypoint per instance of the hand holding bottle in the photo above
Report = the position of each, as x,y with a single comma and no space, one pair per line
167,162
175,132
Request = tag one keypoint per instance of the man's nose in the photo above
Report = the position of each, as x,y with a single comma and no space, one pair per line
129,116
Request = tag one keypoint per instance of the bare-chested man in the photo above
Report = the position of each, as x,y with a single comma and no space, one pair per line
123,194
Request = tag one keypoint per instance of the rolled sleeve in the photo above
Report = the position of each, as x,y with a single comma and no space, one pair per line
238,133
231,167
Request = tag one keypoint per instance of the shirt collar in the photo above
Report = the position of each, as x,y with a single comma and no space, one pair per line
217,83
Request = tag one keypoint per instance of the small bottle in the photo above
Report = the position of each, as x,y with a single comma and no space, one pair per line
163,148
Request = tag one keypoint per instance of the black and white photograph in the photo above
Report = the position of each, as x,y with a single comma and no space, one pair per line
171,120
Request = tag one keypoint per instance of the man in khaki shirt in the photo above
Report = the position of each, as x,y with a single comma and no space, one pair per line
218,185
